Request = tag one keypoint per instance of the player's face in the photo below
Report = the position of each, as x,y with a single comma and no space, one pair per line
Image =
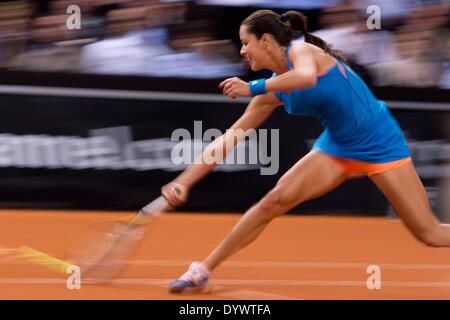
252,49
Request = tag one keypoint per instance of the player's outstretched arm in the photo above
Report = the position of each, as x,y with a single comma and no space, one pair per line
258,110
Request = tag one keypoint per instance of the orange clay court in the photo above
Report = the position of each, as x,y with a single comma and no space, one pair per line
297,257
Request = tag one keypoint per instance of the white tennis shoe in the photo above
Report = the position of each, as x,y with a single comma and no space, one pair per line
195,279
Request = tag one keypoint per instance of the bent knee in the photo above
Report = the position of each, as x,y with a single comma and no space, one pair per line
277,202
430,237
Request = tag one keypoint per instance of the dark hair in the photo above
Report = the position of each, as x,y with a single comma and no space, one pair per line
286,27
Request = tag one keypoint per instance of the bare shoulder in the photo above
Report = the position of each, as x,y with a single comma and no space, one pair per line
322,59
299,47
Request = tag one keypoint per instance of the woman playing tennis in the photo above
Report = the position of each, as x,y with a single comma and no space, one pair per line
360,137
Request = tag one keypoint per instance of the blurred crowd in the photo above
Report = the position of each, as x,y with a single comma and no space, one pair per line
132,37
163,38
412,47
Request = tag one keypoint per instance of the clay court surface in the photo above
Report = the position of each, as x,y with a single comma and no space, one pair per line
297,257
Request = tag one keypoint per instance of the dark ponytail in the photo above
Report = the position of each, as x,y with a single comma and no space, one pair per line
286,27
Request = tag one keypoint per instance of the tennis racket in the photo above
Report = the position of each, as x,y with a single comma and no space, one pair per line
109,257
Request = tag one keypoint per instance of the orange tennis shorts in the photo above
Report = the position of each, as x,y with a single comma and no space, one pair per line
358,168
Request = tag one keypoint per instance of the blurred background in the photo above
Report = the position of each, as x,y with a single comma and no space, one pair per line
87,118
87,114
199,39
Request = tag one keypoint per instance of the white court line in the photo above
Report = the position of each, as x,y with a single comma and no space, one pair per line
271,264
252,295
291,264
248,282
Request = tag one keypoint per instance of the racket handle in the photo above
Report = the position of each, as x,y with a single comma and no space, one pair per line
156,207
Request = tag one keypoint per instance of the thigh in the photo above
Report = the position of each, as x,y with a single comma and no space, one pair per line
312,176
407,195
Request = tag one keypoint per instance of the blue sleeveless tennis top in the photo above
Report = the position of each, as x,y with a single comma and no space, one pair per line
357,125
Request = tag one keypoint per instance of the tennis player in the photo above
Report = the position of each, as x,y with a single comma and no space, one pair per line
360,138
